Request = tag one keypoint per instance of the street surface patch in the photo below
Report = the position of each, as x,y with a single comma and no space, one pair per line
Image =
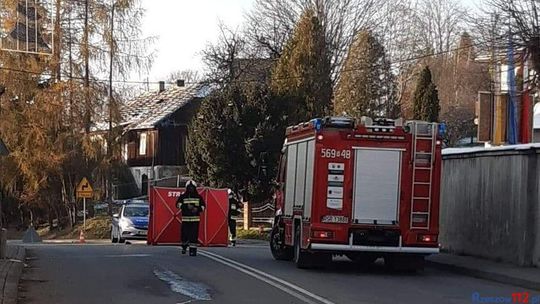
287,287
194,290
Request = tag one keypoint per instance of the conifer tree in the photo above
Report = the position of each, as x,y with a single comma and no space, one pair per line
302,73
366,84
426,99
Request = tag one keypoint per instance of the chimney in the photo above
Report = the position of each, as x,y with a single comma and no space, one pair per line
161,86
180,82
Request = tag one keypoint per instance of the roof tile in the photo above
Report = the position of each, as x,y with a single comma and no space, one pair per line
148,109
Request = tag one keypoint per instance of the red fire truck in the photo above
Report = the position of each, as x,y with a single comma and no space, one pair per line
365,190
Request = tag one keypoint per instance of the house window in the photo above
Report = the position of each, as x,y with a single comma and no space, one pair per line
142,144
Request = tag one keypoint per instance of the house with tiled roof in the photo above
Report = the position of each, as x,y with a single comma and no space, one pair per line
155,128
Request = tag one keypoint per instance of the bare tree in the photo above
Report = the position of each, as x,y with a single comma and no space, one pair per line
220,57
397,32
127,51
439,24
413,29
189,76
271,22
519,20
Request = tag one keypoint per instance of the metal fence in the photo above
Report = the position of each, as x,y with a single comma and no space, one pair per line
489,203
260,214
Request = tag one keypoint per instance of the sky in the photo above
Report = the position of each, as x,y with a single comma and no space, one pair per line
184,27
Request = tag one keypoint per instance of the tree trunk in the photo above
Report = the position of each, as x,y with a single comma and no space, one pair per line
50,217
58,41
21,215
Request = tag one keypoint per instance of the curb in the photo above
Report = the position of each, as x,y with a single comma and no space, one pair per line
76,241
14,272
486,275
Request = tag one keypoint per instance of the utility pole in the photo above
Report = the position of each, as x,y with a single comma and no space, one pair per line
111,105
494,74
86,56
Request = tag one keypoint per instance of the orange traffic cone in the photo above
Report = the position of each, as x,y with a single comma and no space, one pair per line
81,237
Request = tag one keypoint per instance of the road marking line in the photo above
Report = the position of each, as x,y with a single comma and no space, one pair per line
261,278
135,255
285,286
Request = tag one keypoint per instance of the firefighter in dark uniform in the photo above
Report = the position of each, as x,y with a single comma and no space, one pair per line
192,205
234,210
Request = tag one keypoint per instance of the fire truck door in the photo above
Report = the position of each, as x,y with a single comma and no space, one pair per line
290,179
376,186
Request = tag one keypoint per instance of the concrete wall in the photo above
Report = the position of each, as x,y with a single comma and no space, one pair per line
489,204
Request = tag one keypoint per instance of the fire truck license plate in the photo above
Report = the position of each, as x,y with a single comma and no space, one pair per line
335,219
333,153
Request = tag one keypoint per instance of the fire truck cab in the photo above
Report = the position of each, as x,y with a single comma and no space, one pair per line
365,190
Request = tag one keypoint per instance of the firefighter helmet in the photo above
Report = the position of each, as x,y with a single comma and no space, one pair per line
192,183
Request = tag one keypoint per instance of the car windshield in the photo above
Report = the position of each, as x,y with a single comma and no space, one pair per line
136,211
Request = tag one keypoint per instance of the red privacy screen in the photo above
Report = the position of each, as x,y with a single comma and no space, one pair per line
165,218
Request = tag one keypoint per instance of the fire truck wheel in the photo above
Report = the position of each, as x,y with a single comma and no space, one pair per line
404,263
279,250
362,258
302,259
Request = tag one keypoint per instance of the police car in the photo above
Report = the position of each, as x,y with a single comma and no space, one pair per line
131,223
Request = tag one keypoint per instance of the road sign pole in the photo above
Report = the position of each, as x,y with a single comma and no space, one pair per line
84,213
84,190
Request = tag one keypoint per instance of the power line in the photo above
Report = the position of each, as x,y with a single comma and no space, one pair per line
411,59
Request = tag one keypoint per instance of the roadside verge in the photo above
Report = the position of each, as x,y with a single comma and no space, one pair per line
11,270
526,277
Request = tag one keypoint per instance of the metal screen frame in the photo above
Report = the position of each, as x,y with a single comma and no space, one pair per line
310,169
290,179
48,6
301,161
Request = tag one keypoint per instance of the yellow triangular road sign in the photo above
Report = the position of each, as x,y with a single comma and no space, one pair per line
84,186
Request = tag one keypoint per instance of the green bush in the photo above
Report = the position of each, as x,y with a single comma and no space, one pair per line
253,234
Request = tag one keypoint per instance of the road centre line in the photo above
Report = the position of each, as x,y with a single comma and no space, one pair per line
292,289
263,279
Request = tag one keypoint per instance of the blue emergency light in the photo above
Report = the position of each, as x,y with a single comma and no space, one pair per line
318,124
442,129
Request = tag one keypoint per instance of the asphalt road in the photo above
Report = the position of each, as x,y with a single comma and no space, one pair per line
106,273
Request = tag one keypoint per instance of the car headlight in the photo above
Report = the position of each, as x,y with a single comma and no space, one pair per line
126,223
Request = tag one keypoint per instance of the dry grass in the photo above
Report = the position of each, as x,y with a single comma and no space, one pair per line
253,234
96,228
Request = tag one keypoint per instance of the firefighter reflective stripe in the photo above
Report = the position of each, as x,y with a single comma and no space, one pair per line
190,219
193,201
